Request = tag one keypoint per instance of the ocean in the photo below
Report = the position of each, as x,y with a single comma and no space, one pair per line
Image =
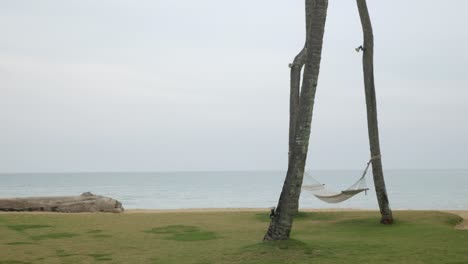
407,189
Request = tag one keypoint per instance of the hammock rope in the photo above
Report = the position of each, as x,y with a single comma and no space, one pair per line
319,190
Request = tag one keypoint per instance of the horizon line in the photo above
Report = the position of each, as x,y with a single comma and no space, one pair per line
241,170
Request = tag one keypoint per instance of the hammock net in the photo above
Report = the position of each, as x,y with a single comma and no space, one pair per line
328,196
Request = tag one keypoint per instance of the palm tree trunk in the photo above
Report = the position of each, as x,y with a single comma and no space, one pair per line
301,114
372,123
296,68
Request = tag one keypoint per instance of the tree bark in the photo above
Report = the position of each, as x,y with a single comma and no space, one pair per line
296,68
301,114
371,103
87,202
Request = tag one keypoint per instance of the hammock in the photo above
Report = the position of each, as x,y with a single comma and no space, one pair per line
319,191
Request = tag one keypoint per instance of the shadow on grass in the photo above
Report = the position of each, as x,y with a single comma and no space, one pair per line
63,254
172,229
284,251
19,243
21,228
310,216
54,236
454,220
94,231
97,233
13,262
183,233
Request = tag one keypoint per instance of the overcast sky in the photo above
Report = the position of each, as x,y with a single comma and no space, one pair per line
203,85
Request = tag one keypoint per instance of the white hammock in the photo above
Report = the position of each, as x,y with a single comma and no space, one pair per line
319,191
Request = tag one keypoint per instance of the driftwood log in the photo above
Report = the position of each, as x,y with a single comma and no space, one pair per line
86,202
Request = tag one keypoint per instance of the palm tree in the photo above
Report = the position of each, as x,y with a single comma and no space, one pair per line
372,124
301,109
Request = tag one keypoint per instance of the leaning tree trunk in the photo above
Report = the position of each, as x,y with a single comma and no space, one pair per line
300,119
368,68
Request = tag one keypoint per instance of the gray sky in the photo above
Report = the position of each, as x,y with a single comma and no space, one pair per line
203,85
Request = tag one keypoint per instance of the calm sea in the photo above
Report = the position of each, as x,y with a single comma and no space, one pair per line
408,189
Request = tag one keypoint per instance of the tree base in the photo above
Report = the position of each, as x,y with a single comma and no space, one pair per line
386,220
278,231
268,238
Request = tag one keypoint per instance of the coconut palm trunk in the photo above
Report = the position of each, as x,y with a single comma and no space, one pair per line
372,124
301,109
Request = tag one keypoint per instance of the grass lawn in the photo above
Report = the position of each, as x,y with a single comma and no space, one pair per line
230,237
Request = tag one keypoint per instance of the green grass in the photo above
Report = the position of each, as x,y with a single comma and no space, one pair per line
173,229
230,237
101,257
25,227
94,231
13,262
183,233
19,243
53,236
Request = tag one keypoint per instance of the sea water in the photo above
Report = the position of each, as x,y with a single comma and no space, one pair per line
407,189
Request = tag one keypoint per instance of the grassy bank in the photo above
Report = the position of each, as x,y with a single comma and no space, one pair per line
230,237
